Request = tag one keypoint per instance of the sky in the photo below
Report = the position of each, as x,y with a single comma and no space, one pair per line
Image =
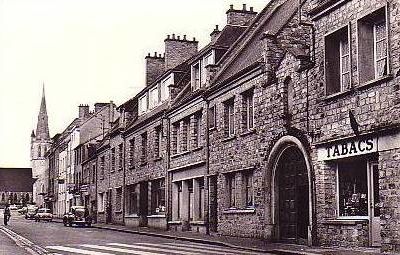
84,51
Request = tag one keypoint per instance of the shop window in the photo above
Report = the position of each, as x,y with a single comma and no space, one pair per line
231,190
353,188
120,156
373,58
337,61
229,118
158,196
248,188
118,199
143,156
212,117
131,153
112,159
132,201
248,110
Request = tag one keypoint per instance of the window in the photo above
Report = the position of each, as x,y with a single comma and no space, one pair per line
143,104
157,142
337,61
132,153
212,117
175,138
185,135
143,158
120,156
112,159
118,199
196,76
39,151
132,201
353,188
93,173
200,182
248,110
102,164
231,186
229,118
248,189
100,204
164,90
207,60
373,58
154,97
197,130
158,196
179,198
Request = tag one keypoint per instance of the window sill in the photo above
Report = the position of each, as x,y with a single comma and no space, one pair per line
197,148
175,222
156,216
132,216
232,137
118,212
180,154
375,81
248,132
157,159
239,211
344,221
197,222
337,95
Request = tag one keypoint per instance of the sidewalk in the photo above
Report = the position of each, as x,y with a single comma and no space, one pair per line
251,244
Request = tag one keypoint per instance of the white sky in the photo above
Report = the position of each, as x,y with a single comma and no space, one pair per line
85,51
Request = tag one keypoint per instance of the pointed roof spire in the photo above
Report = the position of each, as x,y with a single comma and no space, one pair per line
42,128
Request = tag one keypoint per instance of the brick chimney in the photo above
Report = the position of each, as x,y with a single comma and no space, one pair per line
154,67
178,50
83,111
214,34
240,17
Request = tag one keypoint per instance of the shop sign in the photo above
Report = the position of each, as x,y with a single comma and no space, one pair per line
348,148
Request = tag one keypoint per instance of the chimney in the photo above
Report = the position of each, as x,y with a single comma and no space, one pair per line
154,67
99,106
214,34
178,50
240,17
83,111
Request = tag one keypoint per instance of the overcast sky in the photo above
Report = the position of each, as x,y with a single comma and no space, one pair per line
84,51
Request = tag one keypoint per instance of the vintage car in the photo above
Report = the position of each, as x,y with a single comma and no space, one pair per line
31,212
43,214
78,215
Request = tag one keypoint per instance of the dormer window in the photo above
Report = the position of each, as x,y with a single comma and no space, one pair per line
143,104
196,76
154,97
164,88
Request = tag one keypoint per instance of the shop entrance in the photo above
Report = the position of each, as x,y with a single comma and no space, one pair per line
293,195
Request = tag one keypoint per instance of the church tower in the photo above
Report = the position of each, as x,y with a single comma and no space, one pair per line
40,143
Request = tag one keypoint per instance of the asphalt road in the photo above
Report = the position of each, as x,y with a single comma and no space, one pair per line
57,239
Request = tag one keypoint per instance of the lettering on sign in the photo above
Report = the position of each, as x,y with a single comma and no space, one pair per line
348,148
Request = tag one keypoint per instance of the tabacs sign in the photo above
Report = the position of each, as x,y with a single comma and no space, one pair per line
348,148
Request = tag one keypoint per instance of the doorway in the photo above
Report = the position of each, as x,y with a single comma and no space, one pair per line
293,188
374,210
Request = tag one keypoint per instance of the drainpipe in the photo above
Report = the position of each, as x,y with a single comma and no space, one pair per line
123,169
206,181
168,183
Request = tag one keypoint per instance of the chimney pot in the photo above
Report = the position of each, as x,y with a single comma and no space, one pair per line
179,37
244,7
168,36
159,55
184,37
173,36
194,39
148,54
216,28
251,9
155,54
231,7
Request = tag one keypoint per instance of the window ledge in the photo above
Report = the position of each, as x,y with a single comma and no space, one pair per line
156,216
337,95
118,212
197,222
239,211
180,154
197,148
344,221
232,137
175,222
375,81
248,132
157,159
132,216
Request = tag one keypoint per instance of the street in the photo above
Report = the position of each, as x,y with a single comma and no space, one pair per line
57,239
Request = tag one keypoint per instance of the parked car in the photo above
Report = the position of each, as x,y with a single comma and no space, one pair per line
78,215
43,214
23,210
13,207
30,212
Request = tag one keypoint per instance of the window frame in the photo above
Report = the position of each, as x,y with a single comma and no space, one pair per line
212,118
246,96
229,117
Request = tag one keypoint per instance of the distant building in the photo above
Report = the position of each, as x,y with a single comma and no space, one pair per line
15,186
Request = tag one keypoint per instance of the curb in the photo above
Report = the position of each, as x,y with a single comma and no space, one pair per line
23,242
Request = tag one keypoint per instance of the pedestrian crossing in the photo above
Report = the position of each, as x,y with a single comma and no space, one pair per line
146,249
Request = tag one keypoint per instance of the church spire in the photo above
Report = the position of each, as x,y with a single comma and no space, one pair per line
42,129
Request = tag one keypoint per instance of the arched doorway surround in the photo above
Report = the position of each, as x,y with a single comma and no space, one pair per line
286,148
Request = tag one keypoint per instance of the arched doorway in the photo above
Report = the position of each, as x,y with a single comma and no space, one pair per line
293,193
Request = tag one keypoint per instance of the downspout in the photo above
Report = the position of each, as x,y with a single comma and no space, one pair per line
167,164
207,184
123,169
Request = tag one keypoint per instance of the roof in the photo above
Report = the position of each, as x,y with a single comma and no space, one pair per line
16,179
247,50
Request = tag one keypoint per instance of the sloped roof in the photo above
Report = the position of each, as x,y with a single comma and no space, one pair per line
247,50
16,179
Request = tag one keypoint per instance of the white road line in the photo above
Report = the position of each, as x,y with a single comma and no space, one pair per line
76,250
206,246
101,247
152,248
188,248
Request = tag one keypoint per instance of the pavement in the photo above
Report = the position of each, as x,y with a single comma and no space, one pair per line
249,244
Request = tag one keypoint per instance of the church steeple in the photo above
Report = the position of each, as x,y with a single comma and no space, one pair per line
42,128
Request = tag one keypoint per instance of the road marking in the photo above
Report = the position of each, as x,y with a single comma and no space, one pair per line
208,247
76,250
151,248
101,247
188,248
